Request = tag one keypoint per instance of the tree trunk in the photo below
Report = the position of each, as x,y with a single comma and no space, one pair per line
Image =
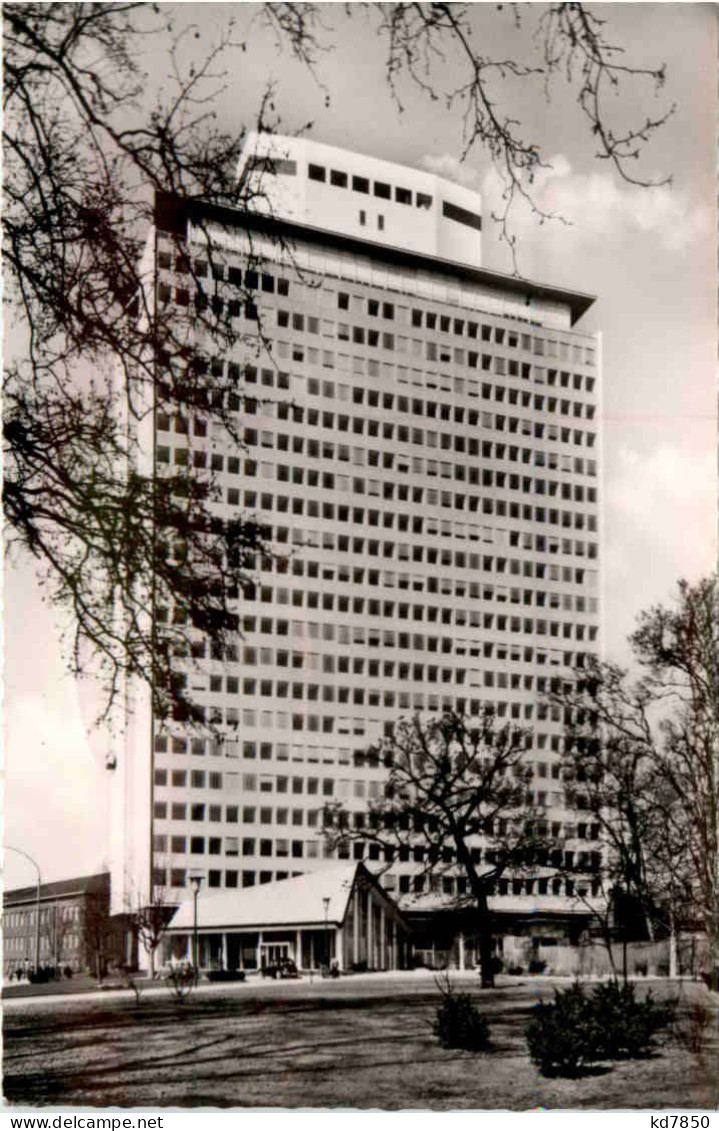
625,972
673,965
486,956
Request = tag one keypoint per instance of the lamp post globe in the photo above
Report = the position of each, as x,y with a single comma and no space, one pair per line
326,904
196,882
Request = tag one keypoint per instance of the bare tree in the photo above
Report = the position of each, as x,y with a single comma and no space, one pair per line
149,919
457,798
609,772
641,759
86,150
101,937
678,648
96,345
438,50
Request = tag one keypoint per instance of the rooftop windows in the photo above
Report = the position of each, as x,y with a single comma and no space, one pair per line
461,215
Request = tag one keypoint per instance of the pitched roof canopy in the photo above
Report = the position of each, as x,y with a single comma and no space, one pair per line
285,903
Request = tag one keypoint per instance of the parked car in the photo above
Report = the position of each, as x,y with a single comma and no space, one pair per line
283,968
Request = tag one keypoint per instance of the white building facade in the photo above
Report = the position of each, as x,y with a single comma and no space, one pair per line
422,437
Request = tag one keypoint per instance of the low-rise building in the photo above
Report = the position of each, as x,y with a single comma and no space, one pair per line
339,915
74,924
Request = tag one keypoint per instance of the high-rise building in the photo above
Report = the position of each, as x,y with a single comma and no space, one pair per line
425,448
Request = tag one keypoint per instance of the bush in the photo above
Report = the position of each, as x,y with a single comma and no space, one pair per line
579,1029
458,1023
563,1036
536,966
629,1026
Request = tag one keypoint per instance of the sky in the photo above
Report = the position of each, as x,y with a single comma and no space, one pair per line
648,255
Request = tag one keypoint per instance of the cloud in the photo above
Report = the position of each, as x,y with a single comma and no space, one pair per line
598,206
445,165
660,525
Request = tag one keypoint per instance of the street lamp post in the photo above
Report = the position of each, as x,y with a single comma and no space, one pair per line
326,902
196,882
9,848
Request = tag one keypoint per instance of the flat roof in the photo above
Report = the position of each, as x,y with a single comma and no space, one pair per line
173,213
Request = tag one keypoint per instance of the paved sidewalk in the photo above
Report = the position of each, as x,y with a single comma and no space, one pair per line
364,984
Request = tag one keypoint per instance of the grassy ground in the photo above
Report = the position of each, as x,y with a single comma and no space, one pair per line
80,984
359,1044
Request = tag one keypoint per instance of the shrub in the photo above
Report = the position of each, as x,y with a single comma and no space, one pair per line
226,975
563,1036
536,966
578,1029
628,1026
458,1023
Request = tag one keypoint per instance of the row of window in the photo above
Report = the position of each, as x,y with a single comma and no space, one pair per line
430,614
403,884
179,744
51,915
417,642
430,351
373,637
390,700
298,598
504,336
390,490
434,350
190,383
250,278
498,422
255,279
443,410
400,462
405,552
197,779
428,525
389,371
360,757
373,669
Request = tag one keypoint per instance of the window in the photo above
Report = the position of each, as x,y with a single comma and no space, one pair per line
316,172
337,178
461,215
360,184
423,200
403,195
382,190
